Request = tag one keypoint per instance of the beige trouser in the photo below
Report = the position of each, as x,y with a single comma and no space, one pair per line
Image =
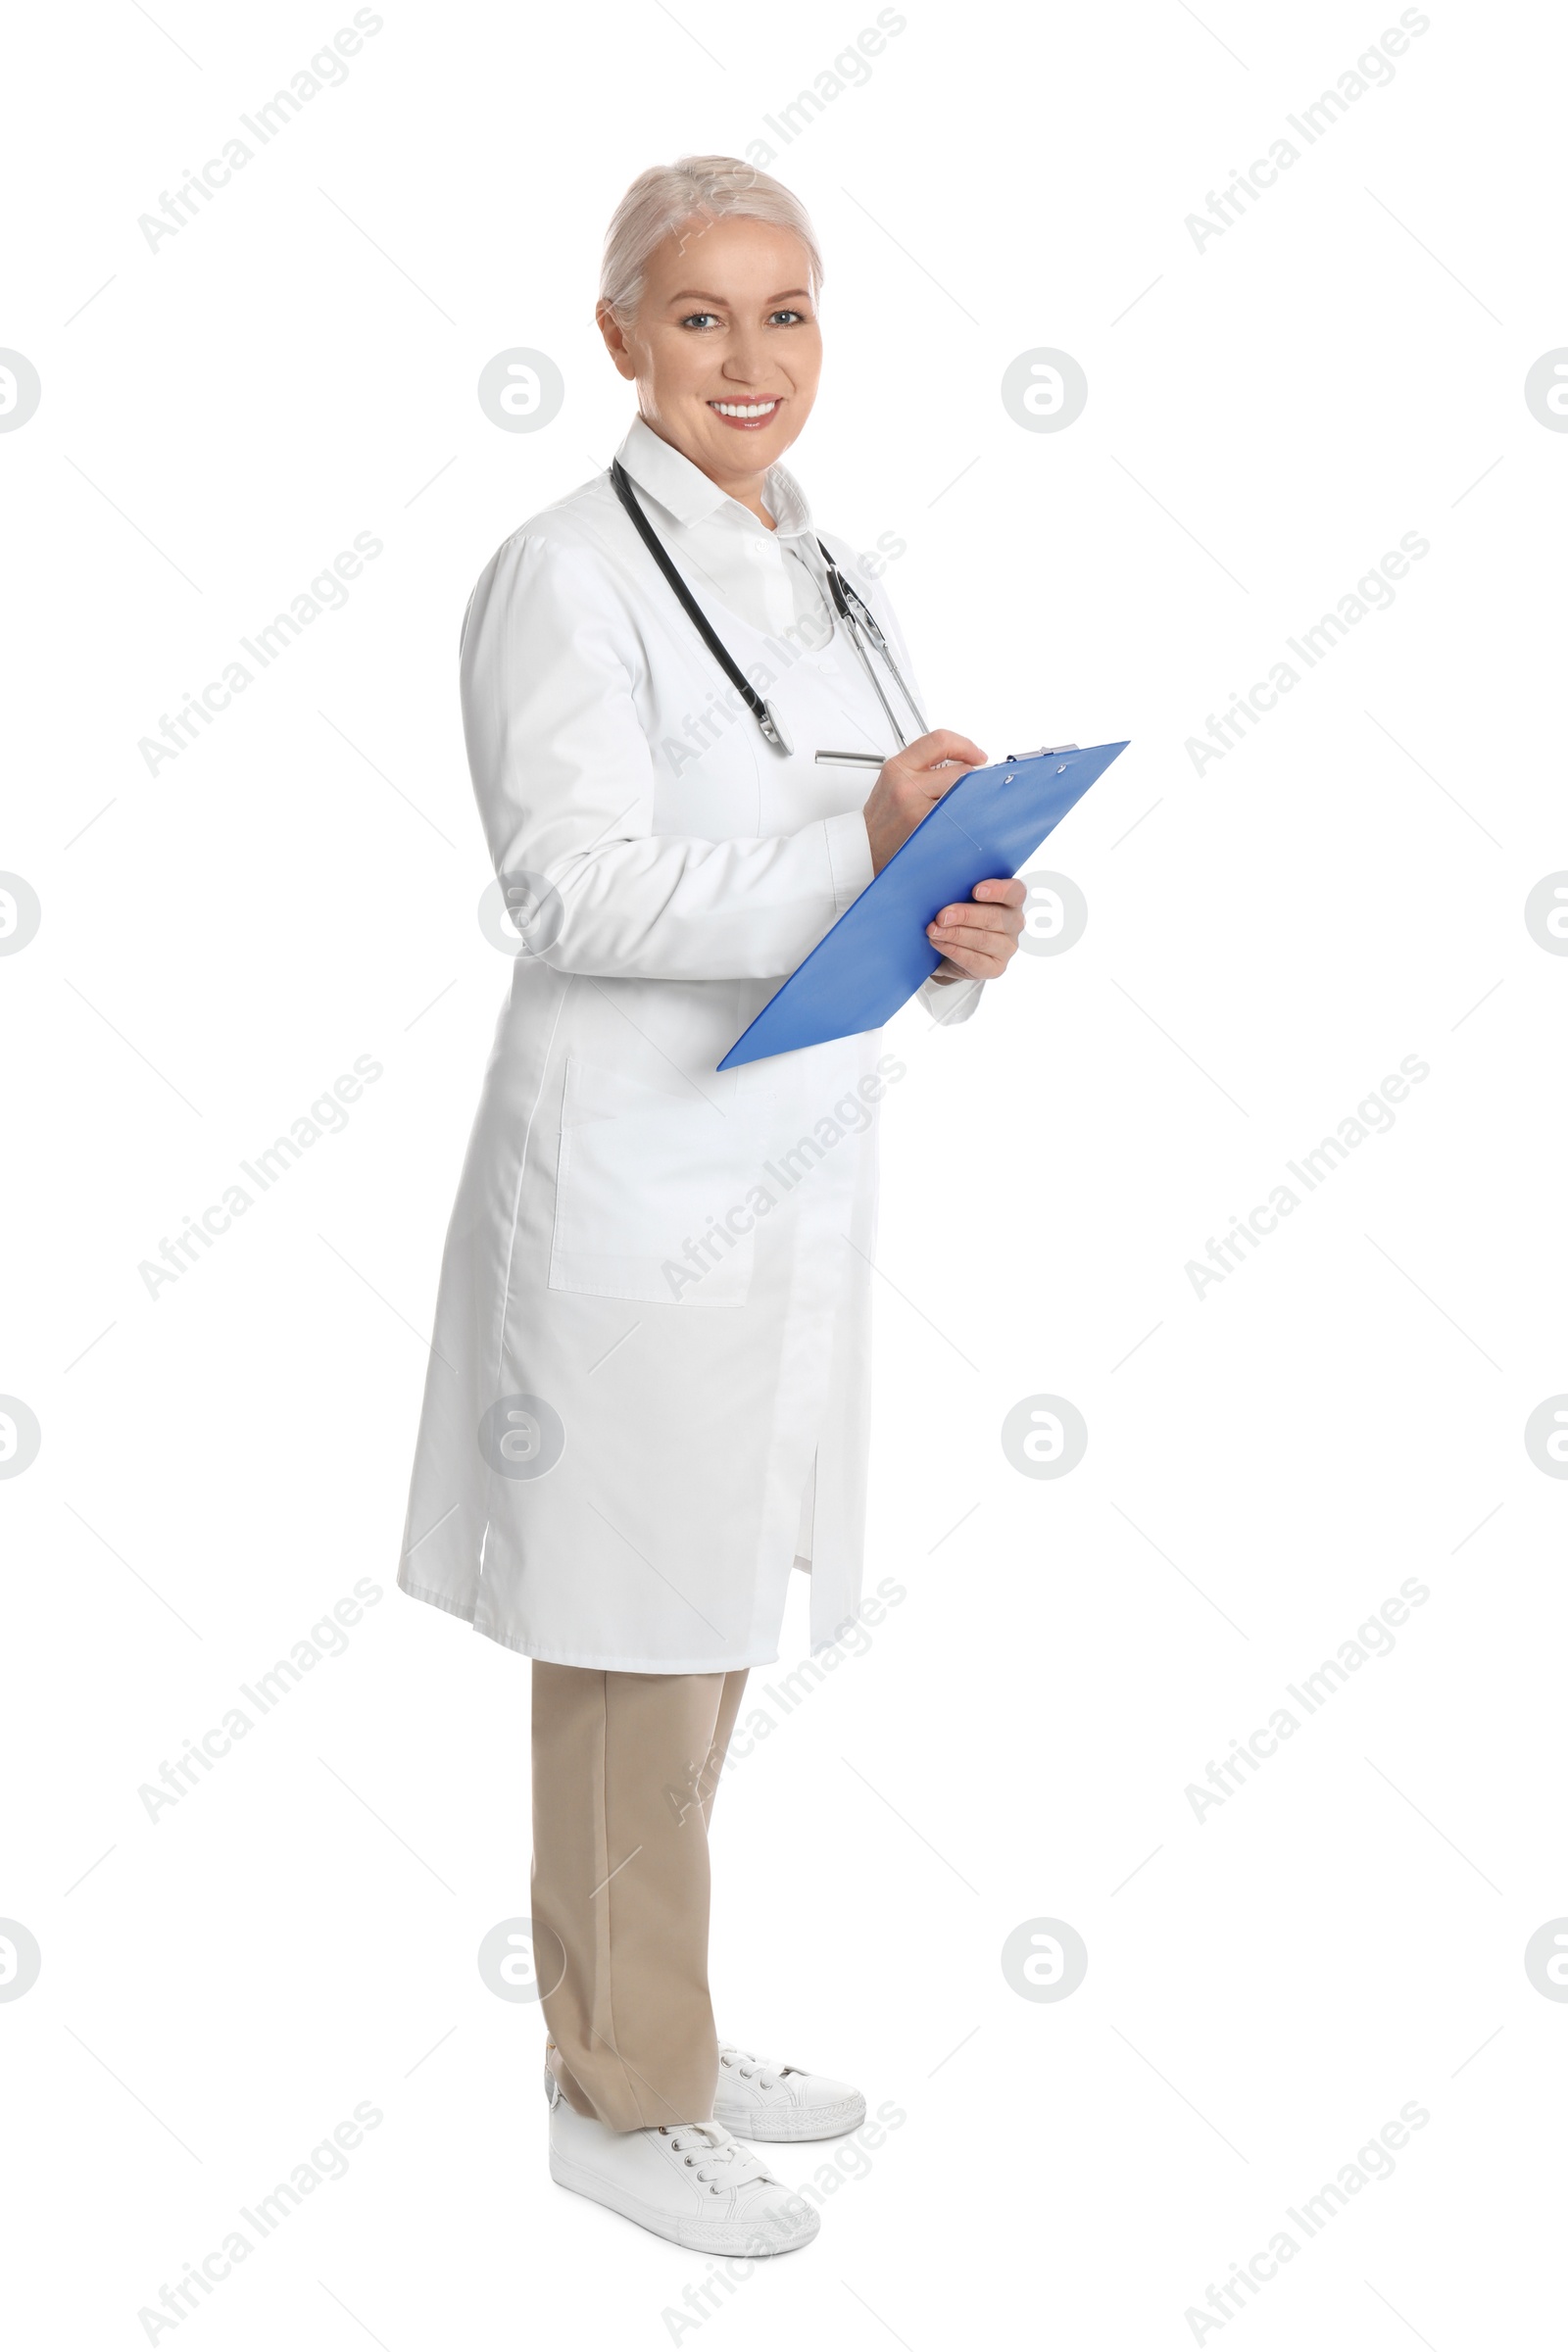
624,1768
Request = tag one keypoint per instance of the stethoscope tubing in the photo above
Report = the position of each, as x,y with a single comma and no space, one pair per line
860,623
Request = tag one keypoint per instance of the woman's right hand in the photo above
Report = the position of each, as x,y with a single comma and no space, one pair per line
910,785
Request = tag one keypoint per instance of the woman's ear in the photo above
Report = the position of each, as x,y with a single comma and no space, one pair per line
615,341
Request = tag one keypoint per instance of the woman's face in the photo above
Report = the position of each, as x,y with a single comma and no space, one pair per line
725,349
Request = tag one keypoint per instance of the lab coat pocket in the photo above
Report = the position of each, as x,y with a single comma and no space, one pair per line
643,1184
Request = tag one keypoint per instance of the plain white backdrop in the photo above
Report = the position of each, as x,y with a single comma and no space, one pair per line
1271,408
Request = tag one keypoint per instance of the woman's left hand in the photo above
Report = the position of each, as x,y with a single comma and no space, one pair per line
978,941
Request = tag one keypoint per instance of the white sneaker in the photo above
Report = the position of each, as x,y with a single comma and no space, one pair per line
764,2102
686,2181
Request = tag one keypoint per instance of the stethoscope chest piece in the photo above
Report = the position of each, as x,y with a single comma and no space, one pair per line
774,731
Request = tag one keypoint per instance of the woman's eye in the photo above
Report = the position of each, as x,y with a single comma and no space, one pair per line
700,318
791,317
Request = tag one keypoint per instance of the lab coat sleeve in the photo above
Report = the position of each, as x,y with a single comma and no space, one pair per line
565,780
949,1001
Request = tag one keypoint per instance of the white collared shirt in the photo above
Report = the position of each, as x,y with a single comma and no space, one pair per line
770,577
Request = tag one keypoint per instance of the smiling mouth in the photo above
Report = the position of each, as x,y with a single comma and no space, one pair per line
747,416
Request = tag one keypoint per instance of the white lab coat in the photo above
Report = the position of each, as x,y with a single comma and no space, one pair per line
646,1390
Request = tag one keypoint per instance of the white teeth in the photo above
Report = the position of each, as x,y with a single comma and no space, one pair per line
734,408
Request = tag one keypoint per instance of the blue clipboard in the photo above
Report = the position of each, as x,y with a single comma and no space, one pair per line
877,956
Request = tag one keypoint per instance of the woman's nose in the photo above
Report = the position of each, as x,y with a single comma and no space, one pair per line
746,365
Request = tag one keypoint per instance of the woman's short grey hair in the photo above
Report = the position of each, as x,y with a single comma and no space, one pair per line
702,188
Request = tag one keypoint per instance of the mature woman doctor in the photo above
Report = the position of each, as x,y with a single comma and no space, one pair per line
647,1394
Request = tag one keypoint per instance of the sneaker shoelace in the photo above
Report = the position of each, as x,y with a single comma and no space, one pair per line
768,2072
720,2162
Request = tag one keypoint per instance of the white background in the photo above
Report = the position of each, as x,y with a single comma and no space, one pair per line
1266,1464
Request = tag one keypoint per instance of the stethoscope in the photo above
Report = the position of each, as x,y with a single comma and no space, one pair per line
860,622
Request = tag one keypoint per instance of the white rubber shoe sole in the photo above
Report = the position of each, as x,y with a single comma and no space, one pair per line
777,2124
758,2100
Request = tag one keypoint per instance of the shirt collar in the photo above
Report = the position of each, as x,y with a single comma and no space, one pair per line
687,493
